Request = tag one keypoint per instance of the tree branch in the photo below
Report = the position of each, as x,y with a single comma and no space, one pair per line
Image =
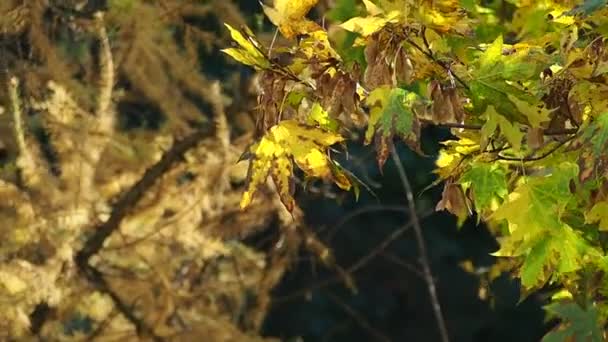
532,156
120,210
424,259
475,127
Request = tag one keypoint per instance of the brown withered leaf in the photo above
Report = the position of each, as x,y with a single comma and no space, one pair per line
558,98
378,71
535,137
413,139
269,101
403,70
338,93
446,107
454,201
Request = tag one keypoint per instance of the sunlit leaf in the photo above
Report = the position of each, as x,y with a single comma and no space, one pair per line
289,142
248,51
290,16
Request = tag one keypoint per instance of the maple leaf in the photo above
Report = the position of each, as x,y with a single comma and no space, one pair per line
558,251
444,16
391,114
538,203
289,17
537,231
509,130
492,84
582,324
285,143
488,183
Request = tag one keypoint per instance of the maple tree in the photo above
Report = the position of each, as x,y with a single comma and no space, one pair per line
524,96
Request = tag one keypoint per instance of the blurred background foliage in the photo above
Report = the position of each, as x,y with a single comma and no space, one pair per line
311,303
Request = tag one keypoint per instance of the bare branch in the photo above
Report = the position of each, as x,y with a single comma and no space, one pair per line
424,259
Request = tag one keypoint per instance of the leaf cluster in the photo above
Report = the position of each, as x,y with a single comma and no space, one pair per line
522,92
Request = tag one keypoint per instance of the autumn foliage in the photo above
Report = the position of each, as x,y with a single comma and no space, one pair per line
522,86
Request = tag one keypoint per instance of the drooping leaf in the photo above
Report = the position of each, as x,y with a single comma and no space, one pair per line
535,115
537,231
540,200
248,50
392,115
283,144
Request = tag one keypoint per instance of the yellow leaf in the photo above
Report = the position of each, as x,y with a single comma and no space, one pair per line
599,213
289,142
535,114
376,100
248,51
366,26
289,16
371,8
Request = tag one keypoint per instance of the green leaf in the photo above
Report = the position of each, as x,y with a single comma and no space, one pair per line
532,271
580,324
510,130
491,57
535,114
559,251
391,114
597,134
535,207
397,116
321,117
488,183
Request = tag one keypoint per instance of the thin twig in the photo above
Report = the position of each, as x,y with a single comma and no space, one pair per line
532,157
438,62
359,264
357,317
426,265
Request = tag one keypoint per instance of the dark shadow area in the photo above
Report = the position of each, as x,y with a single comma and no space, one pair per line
392,301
